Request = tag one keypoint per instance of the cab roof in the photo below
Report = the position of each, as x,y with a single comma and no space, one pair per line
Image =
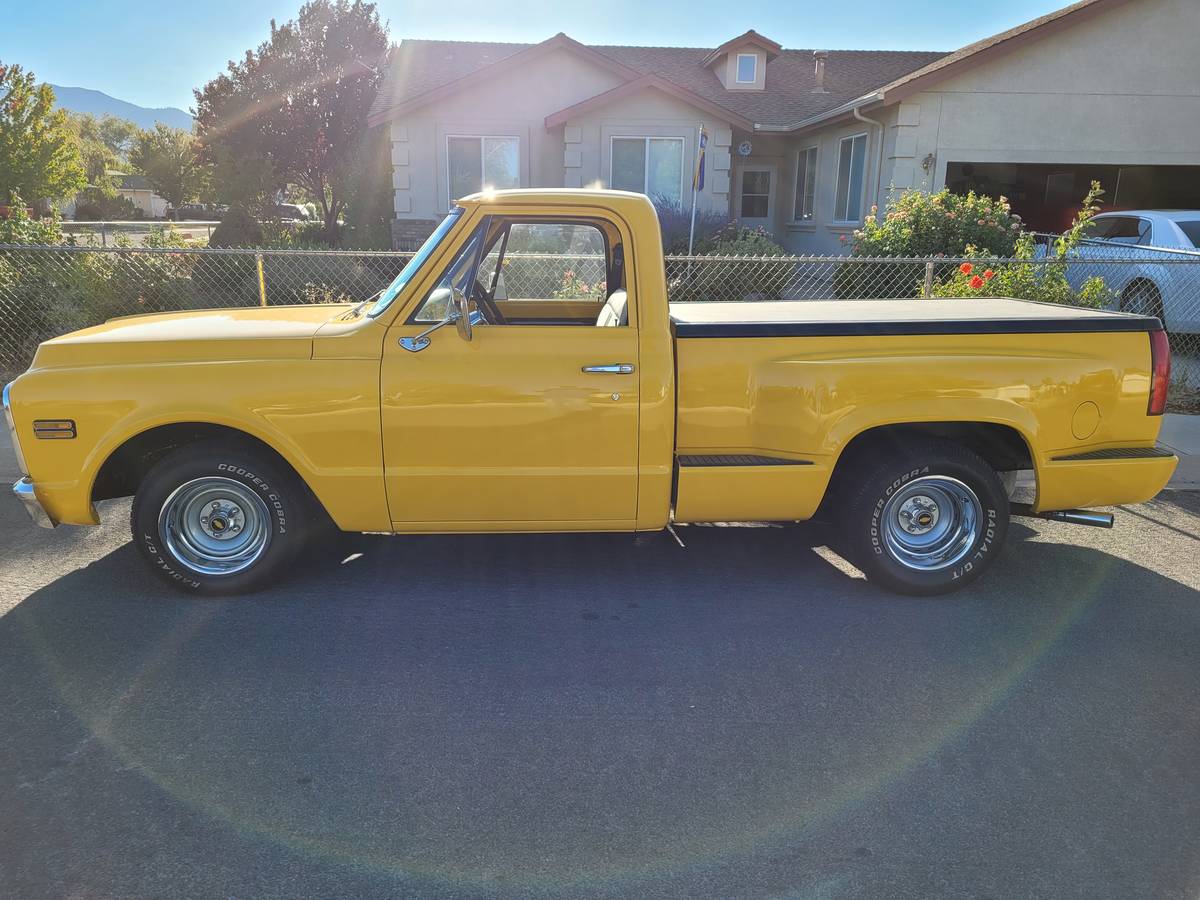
559,196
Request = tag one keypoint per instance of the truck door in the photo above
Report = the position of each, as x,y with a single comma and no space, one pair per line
532,423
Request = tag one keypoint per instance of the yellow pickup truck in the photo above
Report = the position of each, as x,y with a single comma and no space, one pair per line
587,404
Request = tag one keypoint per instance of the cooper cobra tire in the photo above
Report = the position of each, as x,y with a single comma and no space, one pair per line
926,518
216,518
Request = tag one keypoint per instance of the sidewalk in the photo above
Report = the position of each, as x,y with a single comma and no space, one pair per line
1180,433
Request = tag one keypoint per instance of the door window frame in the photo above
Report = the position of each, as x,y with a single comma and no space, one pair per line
487,227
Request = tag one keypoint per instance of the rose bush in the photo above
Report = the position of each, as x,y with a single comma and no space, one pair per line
1033,276
919,224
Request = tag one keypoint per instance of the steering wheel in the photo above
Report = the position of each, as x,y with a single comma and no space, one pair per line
491,312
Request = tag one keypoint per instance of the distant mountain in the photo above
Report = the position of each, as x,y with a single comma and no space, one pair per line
98,103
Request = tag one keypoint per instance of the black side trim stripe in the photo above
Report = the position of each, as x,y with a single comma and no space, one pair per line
855,329
741,460
1118,453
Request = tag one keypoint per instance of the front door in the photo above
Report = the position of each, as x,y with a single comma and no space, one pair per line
756,197
510,430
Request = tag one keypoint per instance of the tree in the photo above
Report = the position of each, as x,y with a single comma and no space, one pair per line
118,134
368,193
294,110
98,157
39,158
167,157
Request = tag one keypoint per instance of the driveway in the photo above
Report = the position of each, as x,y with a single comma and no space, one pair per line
586,716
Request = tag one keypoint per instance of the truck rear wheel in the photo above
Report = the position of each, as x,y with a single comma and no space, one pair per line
216,518
926,519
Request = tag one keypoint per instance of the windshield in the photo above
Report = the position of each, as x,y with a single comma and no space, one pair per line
1191,228
414,264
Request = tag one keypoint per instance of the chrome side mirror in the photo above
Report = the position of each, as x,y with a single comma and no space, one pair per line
458,311
463,321
453,306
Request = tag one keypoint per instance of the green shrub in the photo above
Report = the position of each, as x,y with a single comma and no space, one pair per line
919,224
18,227
749,279
237,229
1031,278
922,225
230,280
95,205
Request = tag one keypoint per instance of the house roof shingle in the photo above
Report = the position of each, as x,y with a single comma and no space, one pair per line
419,67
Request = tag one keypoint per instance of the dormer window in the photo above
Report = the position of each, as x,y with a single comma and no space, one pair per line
747,68
740,64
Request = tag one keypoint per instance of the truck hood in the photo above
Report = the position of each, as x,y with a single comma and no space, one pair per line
277,332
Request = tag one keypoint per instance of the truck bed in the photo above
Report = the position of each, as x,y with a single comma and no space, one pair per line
769,393
896,317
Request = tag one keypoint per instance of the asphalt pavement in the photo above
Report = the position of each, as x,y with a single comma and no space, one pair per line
592,716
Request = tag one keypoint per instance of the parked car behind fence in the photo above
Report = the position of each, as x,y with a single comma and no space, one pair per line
1158,251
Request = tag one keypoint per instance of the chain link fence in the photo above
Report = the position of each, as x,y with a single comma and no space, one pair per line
50,290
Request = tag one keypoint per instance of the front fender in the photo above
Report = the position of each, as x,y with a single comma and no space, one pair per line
322,417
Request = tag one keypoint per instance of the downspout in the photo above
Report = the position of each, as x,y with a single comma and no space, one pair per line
879,162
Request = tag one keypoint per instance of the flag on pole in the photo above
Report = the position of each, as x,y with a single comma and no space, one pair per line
698,175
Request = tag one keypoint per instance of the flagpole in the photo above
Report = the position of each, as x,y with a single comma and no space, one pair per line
695,179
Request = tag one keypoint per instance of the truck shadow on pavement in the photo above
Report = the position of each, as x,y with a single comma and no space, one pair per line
580,715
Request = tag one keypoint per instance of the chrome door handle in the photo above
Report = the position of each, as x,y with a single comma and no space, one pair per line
610,369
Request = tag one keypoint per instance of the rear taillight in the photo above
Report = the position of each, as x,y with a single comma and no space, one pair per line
1160,372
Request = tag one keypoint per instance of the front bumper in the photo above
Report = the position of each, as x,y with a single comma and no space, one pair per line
24,492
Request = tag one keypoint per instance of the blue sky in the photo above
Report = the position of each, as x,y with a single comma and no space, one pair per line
153,53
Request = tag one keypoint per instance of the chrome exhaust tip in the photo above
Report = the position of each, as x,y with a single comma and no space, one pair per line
1080,517
1070,516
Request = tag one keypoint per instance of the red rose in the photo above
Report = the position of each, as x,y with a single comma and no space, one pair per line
966,268
977,282
989,274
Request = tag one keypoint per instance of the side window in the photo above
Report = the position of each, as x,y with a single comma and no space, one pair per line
1116,228
1144,232
457,276
548,261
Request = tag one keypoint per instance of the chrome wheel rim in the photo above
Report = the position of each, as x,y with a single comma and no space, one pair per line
931,523
215,526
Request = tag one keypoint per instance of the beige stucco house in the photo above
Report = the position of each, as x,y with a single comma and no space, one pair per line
804,142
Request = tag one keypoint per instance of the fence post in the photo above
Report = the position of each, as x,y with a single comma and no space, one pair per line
928,291
103,234
262,282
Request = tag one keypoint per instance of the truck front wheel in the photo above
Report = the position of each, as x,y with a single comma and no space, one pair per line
215,518
926,518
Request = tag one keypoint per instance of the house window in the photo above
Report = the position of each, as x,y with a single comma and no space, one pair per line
756,193
852,163
806,185
651,166
474,163
747,68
